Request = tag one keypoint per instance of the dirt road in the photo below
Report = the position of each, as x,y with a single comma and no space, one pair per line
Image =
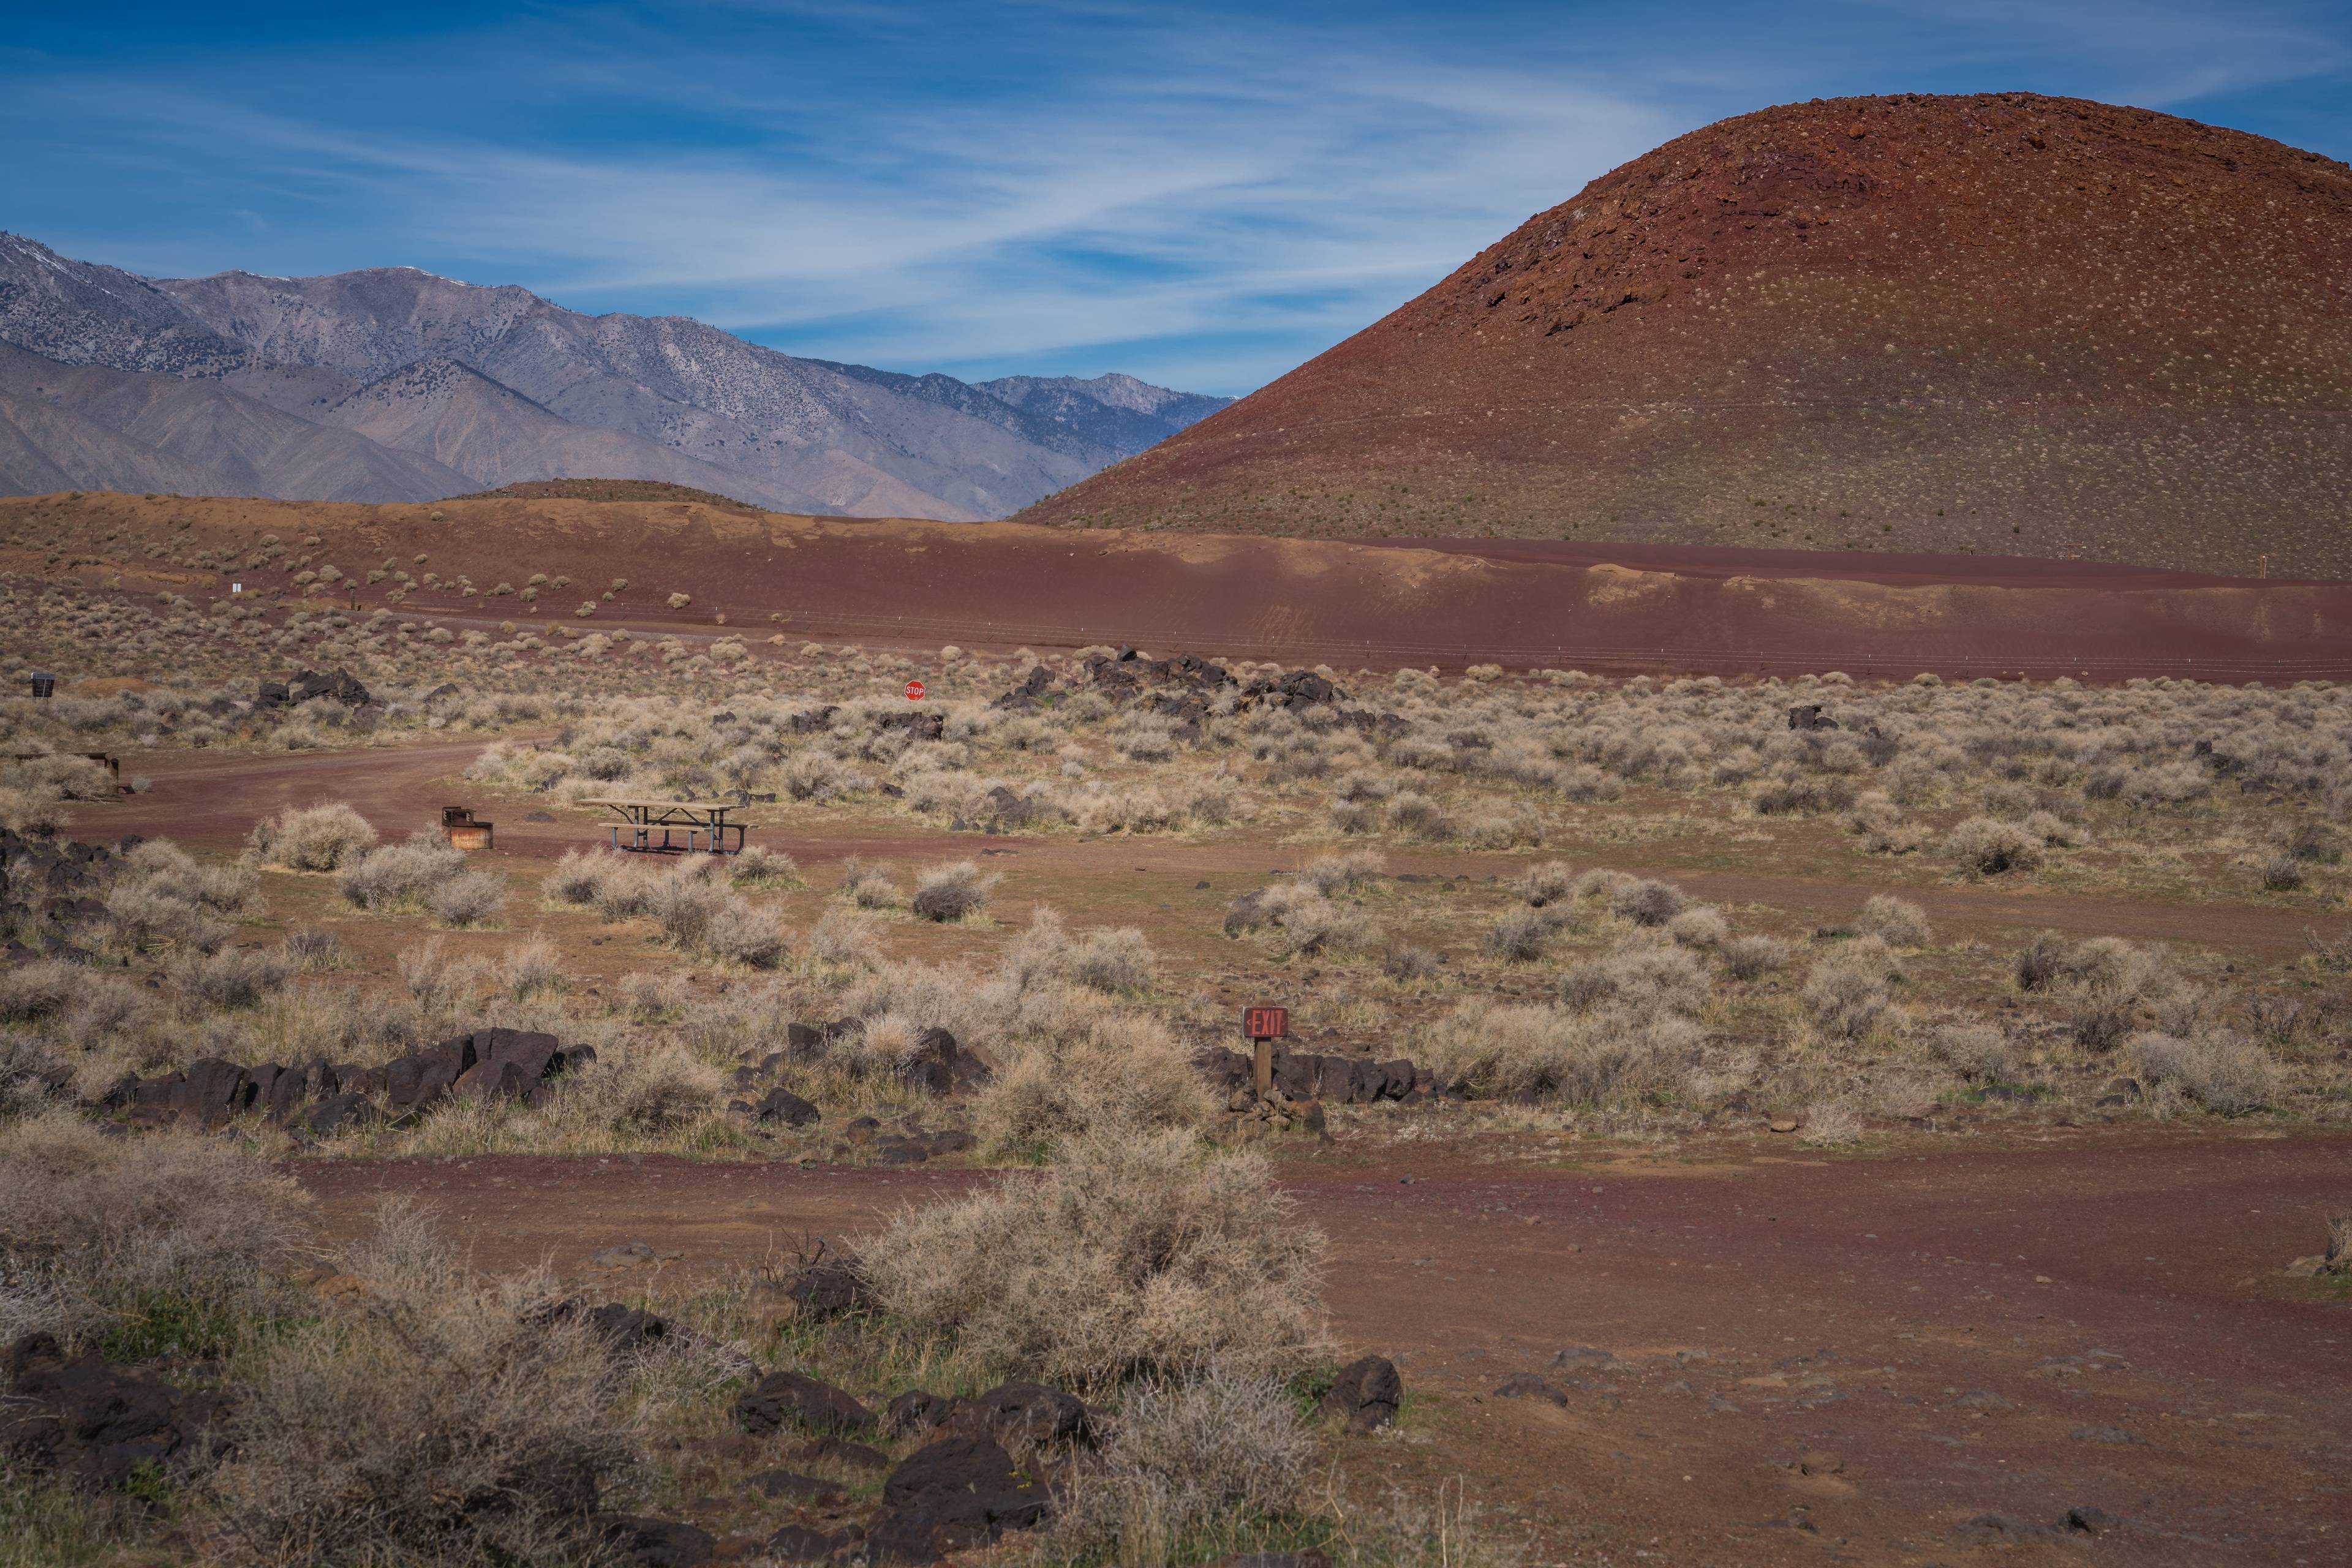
2100,1321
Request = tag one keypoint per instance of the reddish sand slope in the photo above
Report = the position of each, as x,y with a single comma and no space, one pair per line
1521,604
1996,322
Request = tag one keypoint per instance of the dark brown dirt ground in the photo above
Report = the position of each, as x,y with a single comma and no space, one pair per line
2119,1296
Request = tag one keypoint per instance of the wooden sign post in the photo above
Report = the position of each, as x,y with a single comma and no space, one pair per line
1264,1026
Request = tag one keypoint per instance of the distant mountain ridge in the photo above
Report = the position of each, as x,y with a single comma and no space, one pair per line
421,387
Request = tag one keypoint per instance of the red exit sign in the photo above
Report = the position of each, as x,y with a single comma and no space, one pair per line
1266,1023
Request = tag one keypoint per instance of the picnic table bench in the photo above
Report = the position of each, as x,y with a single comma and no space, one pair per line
704,821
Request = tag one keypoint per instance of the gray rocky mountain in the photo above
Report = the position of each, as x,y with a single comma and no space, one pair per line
90,428
79,312
496,435
1114,411
498,384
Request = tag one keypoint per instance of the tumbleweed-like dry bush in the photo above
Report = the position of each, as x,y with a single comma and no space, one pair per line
439,1418
312,838
1131,1255
96,1230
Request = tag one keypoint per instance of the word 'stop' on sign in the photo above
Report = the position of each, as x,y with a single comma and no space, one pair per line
1266,1023
914,691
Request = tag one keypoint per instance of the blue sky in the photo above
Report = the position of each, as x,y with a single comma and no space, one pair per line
1204,196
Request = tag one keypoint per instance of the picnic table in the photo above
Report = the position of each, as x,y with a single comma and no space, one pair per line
704,822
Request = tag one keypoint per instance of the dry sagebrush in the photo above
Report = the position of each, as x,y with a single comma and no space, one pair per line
311,839
1131,1257
94,1228
438,1418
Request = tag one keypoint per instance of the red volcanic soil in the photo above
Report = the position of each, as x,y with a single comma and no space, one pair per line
1997,323
2098,1322
1523,604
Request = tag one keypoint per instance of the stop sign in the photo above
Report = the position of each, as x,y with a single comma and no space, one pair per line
914,691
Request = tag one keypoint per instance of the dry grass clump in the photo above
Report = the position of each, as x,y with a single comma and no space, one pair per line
231,976
1989,847
402,876
1113,960
34,812
1302,920
468,898
1879,823
38,990
689,899
1646,903
1847,993
436,981
1518,828
1332,875
643,1088
313,950
160,894
1410,811
36,783
1584,785
531,968
1640,976
1751,957
1897,923
96,1230
1186,1468
955,891
1831,1124
684,899
819,777
311,839
1978,1052
1700,927
2283,873
742,932
847,937
1550,882
29,1075
579,876
2217,1070
1407,962
1789,792
140,918
440,1419
760,866
2041,960
1075,1067
1131,1257
1623,1032
869,886
2055,830
1522,935
2117,989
